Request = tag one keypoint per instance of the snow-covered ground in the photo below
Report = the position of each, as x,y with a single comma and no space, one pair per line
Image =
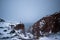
51,37
5,34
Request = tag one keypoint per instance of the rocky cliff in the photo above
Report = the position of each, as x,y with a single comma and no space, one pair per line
46,25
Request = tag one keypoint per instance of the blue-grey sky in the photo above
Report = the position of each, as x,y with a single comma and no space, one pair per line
28,11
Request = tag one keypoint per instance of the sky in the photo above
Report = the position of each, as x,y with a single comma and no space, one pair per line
27,11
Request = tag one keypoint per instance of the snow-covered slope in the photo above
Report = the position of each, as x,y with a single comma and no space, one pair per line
51,37
9,33
4,24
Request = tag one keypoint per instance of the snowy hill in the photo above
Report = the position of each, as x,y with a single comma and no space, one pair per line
9,33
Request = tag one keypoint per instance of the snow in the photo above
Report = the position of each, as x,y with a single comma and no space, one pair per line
4,24
51,37
18,35
15,38
44,38
30,35
23,36
42,23
48,38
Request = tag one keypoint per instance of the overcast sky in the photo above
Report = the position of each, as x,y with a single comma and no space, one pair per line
28,11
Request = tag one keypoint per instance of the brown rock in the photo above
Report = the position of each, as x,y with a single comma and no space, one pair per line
19,26
47,24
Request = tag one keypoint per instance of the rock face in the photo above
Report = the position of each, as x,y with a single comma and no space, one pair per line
48,24
2,20
19,26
